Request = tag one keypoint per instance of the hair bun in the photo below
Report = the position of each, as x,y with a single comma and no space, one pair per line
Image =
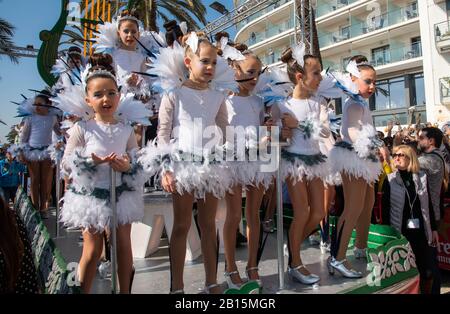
132,12
74,49
170,25
286,56
241,47
220,35
102,61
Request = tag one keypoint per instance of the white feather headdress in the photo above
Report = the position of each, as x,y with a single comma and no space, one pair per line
168,68
274,86
229,52
352,68
192,42
298,53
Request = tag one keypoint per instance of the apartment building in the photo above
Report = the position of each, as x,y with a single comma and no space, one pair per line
407,41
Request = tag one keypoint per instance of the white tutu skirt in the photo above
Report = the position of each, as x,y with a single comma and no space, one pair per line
249,173
344,159
88,211
35,153
300,167
194,177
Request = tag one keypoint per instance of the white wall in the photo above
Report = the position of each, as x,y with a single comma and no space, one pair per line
436,65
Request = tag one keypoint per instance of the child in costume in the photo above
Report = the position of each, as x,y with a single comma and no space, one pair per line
189,162
35,138
304,167
245,114
356,159
102,140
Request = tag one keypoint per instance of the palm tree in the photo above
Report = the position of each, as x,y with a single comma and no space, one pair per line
6,43
181,10
12,135
151,10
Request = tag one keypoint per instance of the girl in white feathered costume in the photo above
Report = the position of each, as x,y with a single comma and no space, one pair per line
35,138
245,115
102,140
356,158
130,46
304,167
188,160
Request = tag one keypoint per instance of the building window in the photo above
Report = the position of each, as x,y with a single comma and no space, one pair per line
396,98
381,101
384,119
419,90
380,56
416,47
397,93
345,32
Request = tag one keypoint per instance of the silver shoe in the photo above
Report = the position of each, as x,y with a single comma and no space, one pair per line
207,289
325,247
268,226
230,283
258,281
360,253
304,279
104,269
180,291
334,264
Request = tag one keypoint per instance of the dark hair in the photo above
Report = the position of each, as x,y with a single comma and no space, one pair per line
292,65
131,13
434,133
46,95
11,247
74,52
362,59
218,36
173,32
100,61
241,47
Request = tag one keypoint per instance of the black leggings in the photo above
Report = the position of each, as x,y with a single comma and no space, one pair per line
426,261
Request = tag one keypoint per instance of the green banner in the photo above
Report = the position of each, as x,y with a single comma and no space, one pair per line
51,266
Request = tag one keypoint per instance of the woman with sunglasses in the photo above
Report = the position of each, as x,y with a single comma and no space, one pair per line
408,209
35,138
356,159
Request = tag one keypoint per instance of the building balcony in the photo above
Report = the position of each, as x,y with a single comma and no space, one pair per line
270,9
330,6
397,55
358,28
442,36
444,84
270,30
392,59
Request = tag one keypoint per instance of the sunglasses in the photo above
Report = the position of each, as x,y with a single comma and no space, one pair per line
398,155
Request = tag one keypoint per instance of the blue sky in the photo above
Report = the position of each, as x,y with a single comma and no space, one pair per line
29,18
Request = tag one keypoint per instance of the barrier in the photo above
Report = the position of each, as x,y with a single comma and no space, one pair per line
53,274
